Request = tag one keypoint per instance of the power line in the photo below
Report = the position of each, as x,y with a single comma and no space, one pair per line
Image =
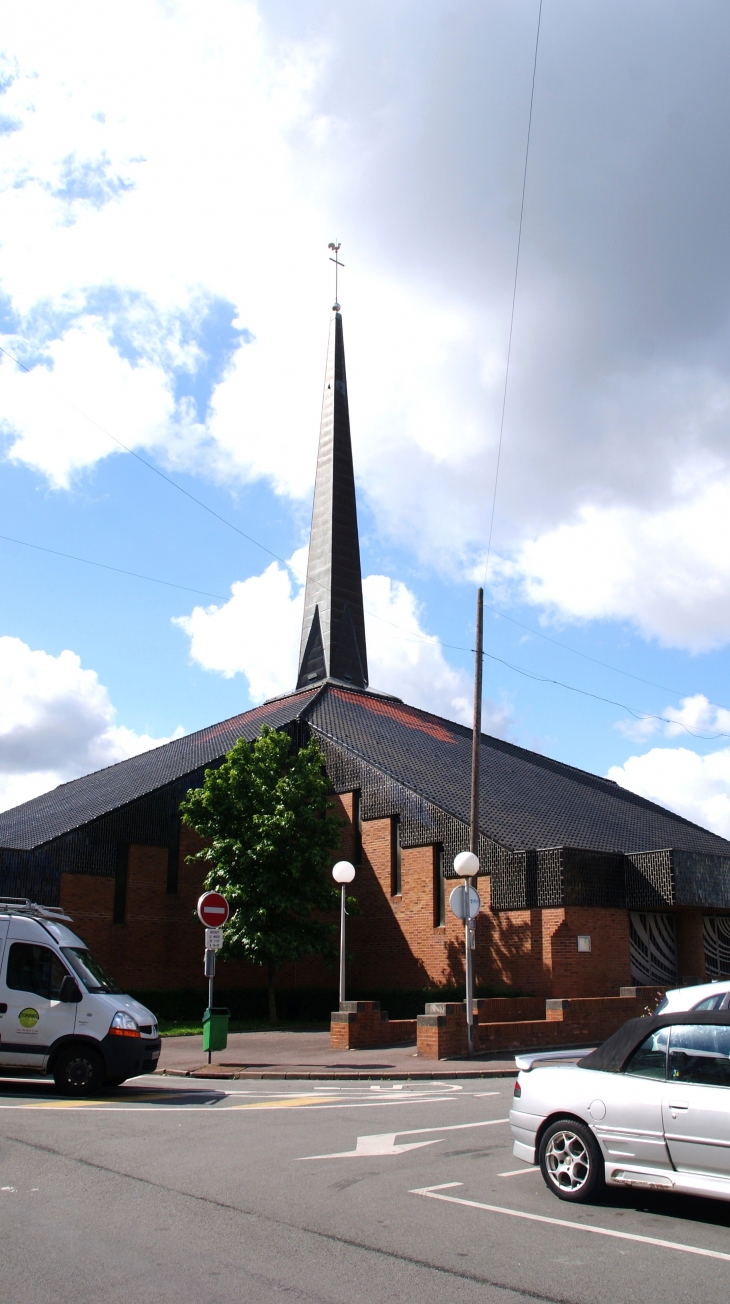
406,637
454,647
168,480
596,660
151,579
514,293
571,688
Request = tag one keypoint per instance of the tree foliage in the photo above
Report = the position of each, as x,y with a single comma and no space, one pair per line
271,838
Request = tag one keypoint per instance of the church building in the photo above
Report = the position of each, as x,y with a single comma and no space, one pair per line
585,887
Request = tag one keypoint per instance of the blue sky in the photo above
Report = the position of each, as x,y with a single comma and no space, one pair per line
169,181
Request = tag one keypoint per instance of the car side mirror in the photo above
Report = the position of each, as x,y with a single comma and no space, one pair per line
70,992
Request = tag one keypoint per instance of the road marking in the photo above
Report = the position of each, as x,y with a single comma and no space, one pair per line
383,1143
434,1193
478,1094
296,1102
517,1172
361,1104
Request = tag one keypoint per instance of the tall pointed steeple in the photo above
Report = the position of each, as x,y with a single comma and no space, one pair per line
333,628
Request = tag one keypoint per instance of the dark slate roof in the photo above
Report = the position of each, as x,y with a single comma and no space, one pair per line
75,803
527,800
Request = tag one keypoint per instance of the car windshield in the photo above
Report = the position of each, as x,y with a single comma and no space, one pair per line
88,969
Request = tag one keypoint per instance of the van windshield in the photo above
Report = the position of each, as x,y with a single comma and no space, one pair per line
88,969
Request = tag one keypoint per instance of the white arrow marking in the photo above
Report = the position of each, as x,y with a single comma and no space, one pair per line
383,1143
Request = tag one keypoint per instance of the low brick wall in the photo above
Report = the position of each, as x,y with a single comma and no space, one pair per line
589,1019
362,1025
440,1033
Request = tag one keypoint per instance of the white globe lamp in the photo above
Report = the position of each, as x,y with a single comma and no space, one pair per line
466,864
343,872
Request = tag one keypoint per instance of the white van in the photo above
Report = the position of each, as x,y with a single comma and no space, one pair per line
60,1015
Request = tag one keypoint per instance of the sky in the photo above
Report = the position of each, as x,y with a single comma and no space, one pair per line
171,175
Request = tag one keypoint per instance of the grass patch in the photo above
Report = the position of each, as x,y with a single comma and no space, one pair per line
189,1028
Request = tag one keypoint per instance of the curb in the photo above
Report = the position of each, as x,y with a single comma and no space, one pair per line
332,1075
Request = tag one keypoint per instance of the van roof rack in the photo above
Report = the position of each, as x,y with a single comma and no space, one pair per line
24,906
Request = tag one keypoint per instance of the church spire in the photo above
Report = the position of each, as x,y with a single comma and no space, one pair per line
333,628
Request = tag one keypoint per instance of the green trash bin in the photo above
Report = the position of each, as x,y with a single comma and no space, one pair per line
215,1027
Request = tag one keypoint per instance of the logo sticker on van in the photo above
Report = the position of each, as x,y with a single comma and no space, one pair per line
28,1017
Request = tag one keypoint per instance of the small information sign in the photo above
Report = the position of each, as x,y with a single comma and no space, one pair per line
213,939
463,906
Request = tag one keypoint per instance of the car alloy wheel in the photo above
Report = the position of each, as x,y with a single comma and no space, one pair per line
571,1161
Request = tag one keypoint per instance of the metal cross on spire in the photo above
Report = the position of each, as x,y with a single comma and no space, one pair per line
336,249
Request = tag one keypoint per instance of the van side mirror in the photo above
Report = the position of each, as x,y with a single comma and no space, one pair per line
70,992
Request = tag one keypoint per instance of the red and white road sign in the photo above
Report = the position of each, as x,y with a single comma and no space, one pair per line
212,910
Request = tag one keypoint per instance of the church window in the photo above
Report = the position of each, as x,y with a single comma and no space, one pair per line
395,857
439,918
357,826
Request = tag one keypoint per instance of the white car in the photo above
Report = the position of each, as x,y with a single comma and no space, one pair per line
703,996
650,1108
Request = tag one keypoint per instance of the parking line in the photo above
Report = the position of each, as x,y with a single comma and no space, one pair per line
434,1193
517,1172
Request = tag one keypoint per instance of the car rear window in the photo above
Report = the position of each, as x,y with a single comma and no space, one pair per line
711,1002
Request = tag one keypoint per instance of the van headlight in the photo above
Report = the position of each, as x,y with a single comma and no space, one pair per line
123,1025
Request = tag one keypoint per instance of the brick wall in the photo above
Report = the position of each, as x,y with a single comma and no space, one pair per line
360,1025
395,941
441,1031
160,945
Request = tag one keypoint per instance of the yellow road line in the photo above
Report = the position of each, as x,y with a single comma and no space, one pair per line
295,1102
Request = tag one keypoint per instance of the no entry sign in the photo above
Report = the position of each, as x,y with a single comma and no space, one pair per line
212,910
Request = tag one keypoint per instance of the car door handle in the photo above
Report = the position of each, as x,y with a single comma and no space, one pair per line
678,1104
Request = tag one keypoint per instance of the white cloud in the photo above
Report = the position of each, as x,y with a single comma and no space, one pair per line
256,633
695,715
697,787
169,153
133,403
56,722
666,572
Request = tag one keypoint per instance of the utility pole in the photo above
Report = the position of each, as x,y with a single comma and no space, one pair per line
470,931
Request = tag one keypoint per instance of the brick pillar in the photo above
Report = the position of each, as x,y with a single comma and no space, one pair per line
356,1025
441,1031
690,947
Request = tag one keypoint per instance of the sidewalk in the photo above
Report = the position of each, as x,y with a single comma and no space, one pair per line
308,1055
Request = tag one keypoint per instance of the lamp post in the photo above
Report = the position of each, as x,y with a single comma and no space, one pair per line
466,865
343,873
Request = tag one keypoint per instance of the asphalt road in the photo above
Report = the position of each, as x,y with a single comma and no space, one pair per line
305,1193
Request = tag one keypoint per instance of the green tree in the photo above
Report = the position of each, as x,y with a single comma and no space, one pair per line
272,836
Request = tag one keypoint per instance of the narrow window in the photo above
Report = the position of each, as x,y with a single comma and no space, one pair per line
395,856
357,827
120,884
173,854
438,887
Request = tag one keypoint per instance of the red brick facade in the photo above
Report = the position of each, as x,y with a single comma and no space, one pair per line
395,941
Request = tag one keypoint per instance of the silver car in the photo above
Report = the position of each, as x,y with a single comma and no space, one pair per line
702,996
650,1108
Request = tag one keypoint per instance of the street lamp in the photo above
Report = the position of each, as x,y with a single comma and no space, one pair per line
466,865
343,873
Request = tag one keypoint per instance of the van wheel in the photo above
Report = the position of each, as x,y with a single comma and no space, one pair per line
79,1071
571,1161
